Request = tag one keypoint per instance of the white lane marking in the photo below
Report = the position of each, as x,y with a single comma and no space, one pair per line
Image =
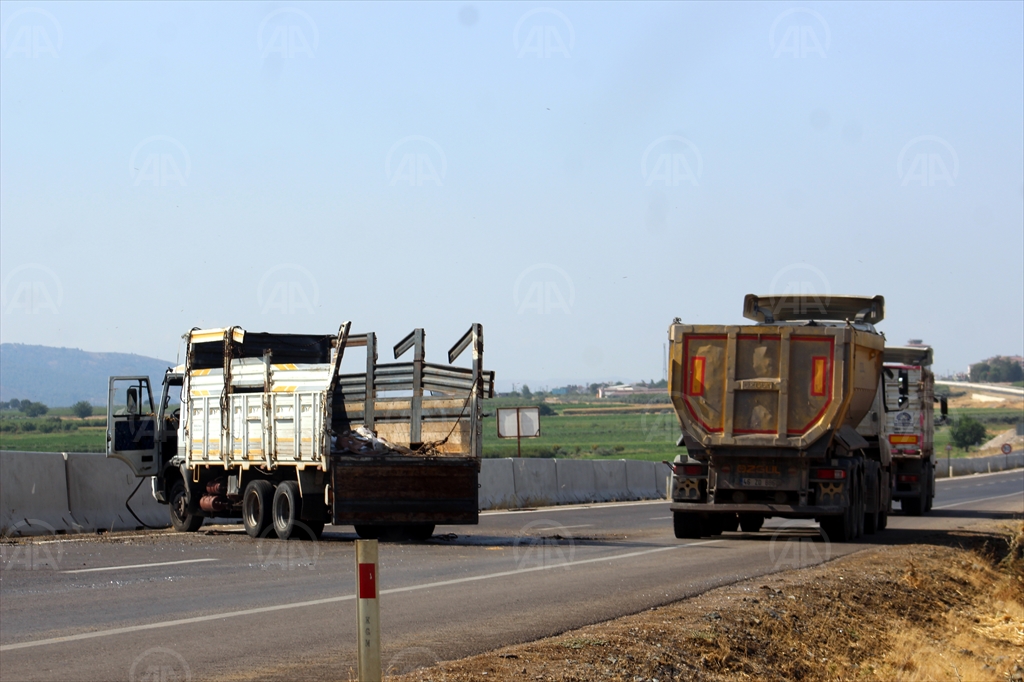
987,499
331,600
117,568
578,525
660,518
572,507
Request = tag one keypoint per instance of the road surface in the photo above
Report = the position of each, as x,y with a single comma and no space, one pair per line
165,606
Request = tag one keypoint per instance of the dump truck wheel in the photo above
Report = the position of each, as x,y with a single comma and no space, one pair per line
287,509
256,506
729,522
370,532
181,520
751,523
687,525
911,506
930,478
871,510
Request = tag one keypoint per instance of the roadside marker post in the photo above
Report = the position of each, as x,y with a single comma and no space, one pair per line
368,611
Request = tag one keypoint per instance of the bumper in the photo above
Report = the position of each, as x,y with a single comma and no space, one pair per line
767,509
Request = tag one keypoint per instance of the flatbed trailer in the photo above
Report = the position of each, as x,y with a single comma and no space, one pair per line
270,431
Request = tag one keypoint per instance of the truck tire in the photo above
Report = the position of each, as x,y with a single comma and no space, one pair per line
911,506
181,520
419,532
871,503
929,476
688,525
370,532
845,526
729,523
256,505
751,523
287,510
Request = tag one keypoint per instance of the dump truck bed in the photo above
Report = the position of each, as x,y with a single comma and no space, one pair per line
782,386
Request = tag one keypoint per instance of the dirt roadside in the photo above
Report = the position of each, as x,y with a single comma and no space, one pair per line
949,610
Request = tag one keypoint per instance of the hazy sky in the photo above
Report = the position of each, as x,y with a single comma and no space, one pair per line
571,175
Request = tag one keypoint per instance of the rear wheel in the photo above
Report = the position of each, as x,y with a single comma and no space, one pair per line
871,504
256,505
181,520
687,525
370,532
751,523
729,523
287,510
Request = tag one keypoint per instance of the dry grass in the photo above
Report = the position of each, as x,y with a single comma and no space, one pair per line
918,612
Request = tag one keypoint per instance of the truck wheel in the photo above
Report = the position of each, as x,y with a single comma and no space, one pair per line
181,520
287,509
370,532
911,506
729,522
871,505
751,523
687,525
858,510
256,505
419,532
929,476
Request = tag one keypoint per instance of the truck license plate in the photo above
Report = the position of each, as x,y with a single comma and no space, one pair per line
759,483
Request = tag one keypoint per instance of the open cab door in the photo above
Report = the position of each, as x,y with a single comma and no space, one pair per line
131,424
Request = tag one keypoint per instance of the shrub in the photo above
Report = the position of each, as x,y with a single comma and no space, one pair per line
28,426
82,409
966,432
32,409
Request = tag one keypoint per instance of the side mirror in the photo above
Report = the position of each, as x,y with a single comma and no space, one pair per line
133,401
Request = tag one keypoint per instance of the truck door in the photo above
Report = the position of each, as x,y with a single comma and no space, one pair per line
131,424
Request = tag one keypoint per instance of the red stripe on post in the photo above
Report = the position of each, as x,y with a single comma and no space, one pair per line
367,581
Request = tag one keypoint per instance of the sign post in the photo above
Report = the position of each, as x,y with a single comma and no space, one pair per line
1007,449
368,611
518,423
949,464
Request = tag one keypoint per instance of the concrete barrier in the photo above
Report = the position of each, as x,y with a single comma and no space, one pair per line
978,465
610,480
98,488
33,494
535,482
575,480
640,480
497,484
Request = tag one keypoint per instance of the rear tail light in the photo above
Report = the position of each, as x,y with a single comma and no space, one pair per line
907,478
902,439
692,470
829,474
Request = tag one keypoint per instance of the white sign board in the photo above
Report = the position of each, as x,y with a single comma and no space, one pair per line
518,422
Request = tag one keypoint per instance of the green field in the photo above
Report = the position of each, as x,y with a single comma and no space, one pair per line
648,434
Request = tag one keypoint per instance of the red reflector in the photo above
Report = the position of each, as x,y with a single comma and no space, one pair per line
907,478
367,582
829,474
692,470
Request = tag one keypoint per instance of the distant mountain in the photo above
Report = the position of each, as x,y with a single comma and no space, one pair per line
60,377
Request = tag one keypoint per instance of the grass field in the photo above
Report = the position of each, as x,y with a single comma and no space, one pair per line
650,434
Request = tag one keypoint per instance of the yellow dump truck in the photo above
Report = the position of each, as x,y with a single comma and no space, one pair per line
781,418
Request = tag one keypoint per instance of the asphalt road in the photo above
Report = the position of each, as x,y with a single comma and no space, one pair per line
218,605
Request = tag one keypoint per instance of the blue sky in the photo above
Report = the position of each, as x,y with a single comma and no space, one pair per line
573,176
